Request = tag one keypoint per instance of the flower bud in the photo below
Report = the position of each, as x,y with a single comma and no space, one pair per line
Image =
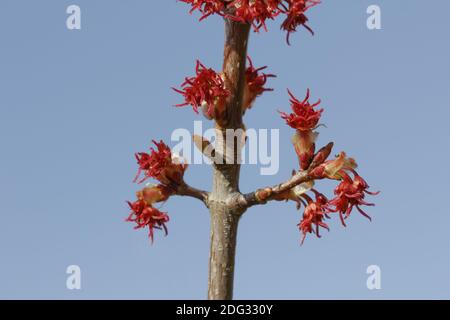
304,143
334,169
321,155
154,193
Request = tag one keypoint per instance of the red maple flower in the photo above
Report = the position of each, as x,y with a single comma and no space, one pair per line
315,213
206,7
144,215
304,117
255,82
295,13
254,12
207,88
159,164
257,12
350,193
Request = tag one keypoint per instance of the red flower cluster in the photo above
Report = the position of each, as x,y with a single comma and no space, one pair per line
160,165
255,82
206,7
296,16
257,12
206,89
304,117
144,214
350,193
315,213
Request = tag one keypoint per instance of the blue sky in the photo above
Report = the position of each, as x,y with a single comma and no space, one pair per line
76,105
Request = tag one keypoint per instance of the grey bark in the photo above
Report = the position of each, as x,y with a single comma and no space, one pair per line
224,211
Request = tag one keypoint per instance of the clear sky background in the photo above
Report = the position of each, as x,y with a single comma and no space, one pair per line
76,105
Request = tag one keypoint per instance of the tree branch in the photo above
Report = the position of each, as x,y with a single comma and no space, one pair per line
186,190
263,195
225,218
235,57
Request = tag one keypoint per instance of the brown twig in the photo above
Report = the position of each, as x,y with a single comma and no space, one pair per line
263,195
186,190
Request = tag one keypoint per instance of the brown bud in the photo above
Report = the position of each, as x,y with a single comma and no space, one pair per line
321,155
263,194
154,193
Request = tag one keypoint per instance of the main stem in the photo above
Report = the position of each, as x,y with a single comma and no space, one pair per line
224,215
